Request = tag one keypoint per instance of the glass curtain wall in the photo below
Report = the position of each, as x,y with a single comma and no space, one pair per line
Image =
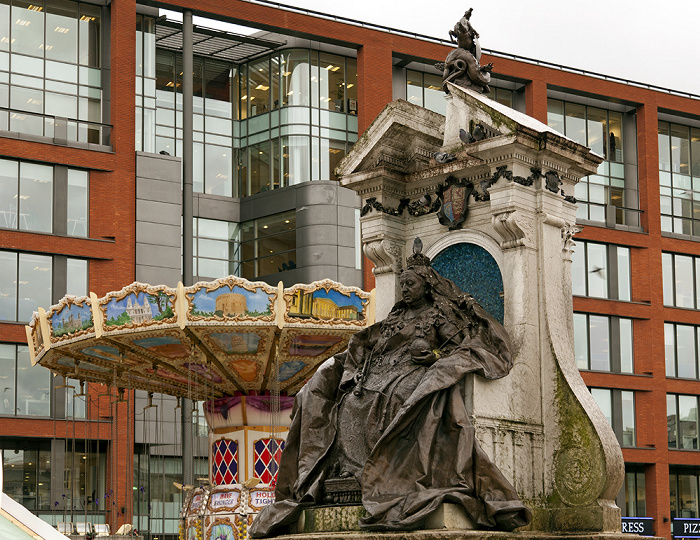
602,131
679,178
275,121
50,76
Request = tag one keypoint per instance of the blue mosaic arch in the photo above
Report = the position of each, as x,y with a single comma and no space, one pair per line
474,271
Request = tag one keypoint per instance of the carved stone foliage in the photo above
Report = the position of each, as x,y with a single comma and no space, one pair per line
453,196
386,255
425,205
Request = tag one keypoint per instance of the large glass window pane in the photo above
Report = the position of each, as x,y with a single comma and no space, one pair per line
89,48
331,82
34,284
217,81
36,197
628,421
597,267
27,28
259,87
414,87
685,293
667,268
597,130
664,147
680,149
4,25
673,489
626,346
555,115
33,386
688,422
77,224
295,159
599,343
581,340
688,495
575,122
623,274
8,193
614,148
259,167
685,351
76,404
672,420
62,30
670,349
7,379
295,78
217,170
434,95
351,88
8,286
77,277
331,154
578,270
603,398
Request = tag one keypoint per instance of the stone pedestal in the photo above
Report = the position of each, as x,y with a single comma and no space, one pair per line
539,424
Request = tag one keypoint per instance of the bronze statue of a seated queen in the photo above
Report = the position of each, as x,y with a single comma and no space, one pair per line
389,415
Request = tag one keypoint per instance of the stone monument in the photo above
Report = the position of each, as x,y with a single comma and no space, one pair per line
486,176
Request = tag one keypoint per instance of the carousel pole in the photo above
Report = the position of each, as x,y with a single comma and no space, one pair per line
187,217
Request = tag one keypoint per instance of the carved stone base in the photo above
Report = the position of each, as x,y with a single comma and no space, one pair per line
455,535
345,519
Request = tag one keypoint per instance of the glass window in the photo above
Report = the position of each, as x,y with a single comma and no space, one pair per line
268,245
62,30
682,418
681,277
33,386
260,167
27,28
216,248
295,78
591,271
259,87
34,287
679,175
332,82
217,170
36,197
77,224
77,277
295,160
602,131
593,339
618,408
681,350
635,493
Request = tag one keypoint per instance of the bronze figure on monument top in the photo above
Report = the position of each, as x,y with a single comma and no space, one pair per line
387,419
461,67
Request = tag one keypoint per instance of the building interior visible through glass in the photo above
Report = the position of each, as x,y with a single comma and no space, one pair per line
389,415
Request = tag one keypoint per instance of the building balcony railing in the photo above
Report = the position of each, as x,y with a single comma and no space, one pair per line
63,131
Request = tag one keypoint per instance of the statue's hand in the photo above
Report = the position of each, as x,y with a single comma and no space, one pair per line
488,67
424,358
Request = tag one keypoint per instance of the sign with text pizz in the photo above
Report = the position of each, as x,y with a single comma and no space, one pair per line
643,526
686,528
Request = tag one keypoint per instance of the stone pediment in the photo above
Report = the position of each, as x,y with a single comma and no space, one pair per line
401,138
500,125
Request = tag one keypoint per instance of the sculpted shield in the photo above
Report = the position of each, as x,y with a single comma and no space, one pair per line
454,199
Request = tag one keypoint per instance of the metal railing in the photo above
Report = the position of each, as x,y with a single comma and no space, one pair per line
61,129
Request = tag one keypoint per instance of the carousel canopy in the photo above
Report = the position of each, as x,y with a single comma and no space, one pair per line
214,339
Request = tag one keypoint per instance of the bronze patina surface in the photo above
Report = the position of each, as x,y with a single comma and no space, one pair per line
389,413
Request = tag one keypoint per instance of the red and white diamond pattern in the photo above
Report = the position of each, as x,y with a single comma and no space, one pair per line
266,459
224,454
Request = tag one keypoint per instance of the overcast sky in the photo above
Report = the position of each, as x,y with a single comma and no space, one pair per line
638,40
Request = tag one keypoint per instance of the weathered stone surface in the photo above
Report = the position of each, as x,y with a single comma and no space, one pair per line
548,437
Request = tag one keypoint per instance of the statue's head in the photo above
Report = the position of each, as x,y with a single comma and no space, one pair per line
465,35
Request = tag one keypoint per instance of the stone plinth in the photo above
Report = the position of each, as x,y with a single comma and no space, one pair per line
455,535
344,519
